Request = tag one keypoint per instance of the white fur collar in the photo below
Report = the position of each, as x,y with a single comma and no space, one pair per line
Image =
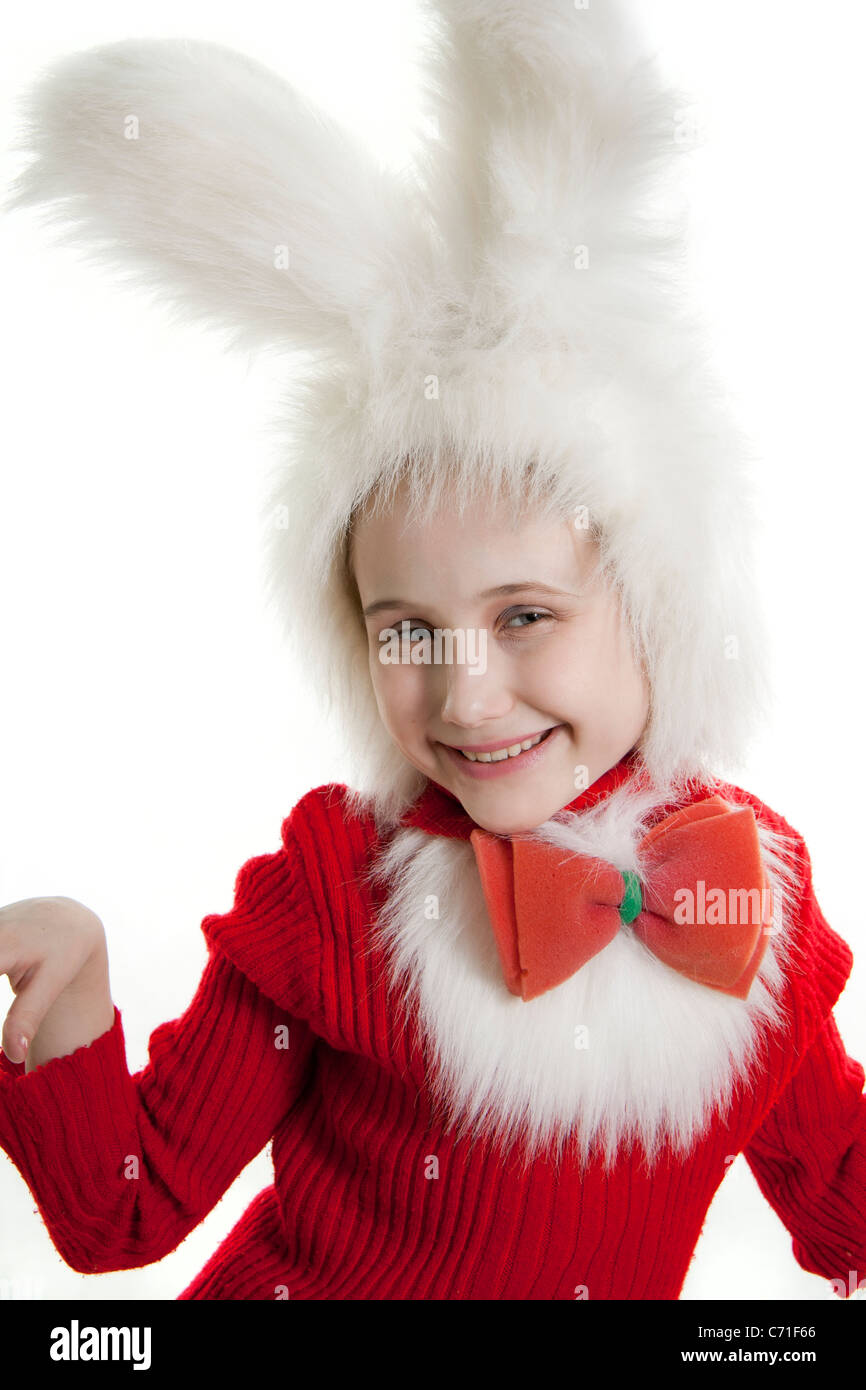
659,1053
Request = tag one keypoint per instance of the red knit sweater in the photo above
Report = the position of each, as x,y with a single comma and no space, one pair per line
352,1212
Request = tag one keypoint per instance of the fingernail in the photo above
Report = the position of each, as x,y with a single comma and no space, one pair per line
24,1044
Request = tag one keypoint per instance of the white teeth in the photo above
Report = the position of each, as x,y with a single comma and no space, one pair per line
511,752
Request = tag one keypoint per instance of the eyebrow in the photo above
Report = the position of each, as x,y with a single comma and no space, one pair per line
501,589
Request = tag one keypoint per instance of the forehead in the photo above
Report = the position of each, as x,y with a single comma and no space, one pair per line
461,552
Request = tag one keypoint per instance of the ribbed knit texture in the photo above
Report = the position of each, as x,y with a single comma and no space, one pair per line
123,1166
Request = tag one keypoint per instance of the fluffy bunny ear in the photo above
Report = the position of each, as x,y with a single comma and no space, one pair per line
212,183
555,136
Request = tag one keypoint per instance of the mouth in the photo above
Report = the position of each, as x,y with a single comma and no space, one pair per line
487,761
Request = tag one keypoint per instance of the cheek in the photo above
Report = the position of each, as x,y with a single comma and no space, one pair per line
626,675
558,668
400,691
588,664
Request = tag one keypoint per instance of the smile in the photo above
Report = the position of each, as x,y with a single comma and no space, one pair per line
512,750
511,757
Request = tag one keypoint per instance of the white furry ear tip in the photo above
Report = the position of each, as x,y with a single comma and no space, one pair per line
208,179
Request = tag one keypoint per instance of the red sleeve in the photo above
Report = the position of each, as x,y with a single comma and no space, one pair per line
809,1159
123,1167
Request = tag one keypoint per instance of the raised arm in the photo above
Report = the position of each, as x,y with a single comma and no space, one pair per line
124,1166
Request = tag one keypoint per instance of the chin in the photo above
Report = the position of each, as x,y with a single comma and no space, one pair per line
527,815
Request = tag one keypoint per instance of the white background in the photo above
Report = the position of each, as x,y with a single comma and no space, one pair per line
154,732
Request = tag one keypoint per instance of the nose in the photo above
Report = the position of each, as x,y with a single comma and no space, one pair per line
475,696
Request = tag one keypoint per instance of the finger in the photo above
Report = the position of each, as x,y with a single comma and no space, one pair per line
28,1011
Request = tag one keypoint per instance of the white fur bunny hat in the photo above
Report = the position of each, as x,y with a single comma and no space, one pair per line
510,311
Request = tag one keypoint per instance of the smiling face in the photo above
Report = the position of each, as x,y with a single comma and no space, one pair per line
557,658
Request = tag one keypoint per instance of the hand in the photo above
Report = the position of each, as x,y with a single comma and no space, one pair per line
48,947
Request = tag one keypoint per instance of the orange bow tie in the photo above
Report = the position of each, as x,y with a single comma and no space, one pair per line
702,906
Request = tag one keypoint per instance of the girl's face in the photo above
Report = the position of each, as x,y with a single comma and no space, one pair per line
551,655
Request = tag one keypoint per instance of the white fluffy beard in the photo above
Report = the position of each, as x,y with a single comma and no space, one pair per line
659,1054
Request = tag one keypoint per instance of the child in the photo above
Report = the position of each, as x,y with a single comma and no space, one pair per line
510,1004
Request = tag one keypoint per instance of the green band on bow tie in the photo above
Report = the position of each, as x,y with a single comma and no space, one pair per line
632,902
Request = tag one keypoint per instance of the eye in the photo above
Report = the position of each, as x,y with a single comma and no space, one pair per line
532,614
416,631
